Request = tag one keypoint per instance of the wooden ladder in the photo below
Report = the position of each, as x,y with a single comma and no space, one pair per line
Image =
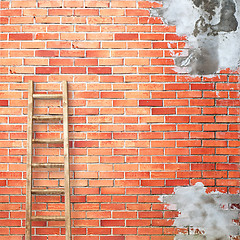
29,190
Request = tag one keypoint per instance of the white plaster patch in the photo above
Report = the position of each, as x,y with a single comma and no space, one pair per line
206,213
209,52
182,14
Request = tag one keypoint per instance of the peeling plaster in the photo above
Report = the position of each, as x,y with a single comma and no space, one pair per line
213,31
207,215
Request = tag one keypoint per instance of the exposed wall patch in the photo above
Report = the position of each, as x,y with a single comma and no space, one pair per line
208,216
213,31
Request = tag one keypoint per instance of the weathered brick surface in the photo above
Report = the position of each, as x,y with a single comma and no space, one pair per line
137,128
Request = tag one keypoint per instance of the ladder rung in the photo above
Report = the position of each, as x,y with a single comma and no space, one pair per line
47,96
47,218
47,140
48,117
47,165
48,191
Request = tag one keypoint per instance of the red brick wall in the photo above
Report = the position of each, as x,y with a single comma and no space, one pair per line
137,128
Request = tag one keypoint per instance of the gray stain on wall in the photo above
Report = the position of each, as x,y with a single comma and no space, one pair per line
227,23
212,29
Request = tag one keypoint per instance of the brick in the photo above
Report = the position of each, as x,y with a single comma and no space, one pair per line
163,95
163,111
72,36
139,12
153,183
17,53
23,70
214,111
127,183
11,62
110,62
177,182
10,12
174,37
162,62
125,231
62,44
86,12
151,70
202,151
73,20
99,135
214,158
98,86
87,28
113,45
47,70
60,12
32,45
10,222
4,4
49,20
20,36
126,36
36,61
177,119
227,102
24,20
202,102
62,28
144,4
34,12
11,28
150,103
49,4
84,62
214,94
124,70
160,127
73,4
179,86
113,28
112,238
100,20
138,111
227,182
3,103
97,4
202,135
123,4
4,70
215,127
97,53
202,86
99,70
150,53
3,37
202,119
100,183
46,53
61,62
122,53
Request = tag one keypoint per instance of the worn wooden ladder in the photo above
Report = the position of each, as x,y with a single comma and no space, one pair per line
29,188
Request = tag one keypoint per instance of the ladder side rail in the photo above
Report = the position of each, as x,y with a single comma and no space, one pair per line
29,162
66,163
